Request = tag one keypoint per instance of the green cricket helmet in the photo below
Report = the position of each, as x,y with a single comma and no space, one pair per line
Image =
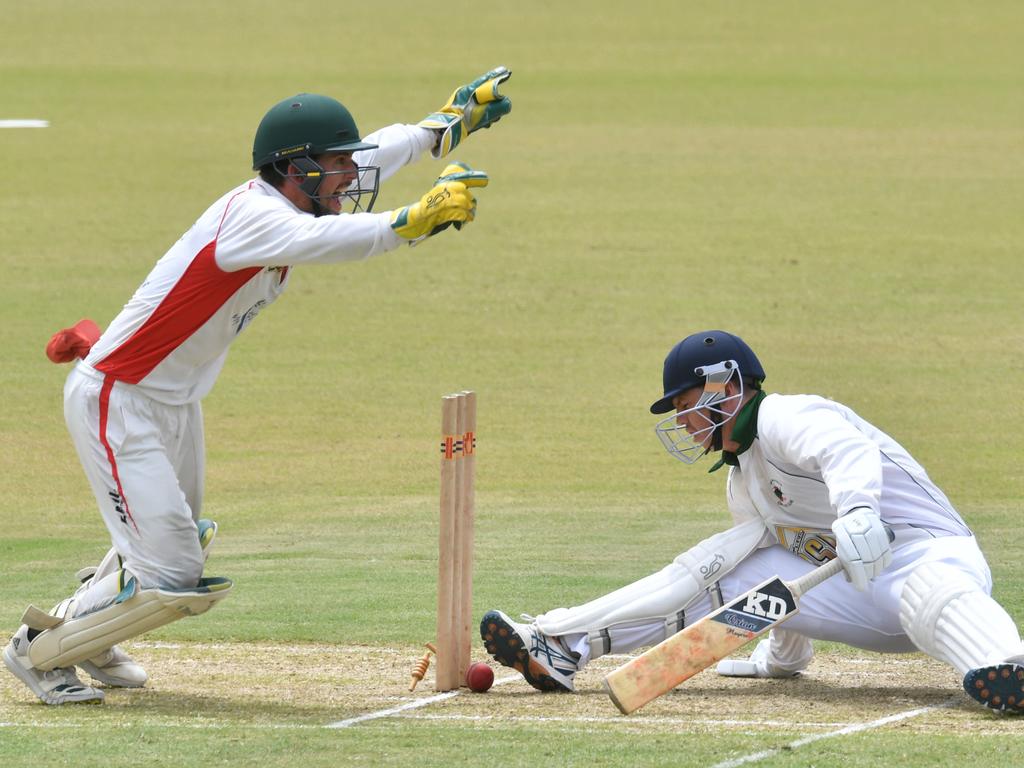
304,126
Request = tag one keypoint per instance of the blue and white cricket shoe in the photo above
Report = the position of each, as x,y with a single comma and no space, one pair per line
541,659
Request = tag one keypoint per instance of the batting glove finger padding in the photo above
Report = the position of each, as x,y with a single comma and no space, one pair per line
448,202
863,546
471,107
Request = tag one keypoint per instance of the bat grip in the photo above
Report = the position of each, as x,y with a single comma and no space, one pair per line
813,578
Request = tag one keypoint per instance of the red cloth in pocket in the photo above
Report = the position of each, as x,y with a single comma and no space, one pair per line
73,342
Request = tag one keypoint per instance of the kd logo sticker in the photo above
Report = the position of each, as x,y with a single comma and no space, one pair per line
756,606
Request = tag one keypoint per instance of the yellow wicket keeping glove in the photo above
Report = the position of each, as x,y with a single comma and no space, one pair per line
448,202
470,108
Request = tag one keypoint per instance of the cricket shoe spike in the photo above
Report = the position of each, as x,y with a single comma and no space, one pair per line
999,687
541,659
116,669
58,686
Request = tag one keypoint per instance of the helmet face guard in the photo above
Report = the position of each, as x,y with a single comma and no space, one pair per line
361,193
696,431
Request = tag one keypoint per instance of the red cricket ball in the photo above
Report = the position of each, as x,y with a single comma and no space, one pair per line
479,677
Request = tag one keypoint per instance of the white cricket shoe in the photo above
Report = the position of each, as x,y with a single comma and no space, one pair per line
758,665
116,669
540,658
58,686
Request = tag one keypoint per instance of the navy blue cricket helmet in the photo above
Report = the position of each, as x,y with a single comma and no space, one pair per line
702,349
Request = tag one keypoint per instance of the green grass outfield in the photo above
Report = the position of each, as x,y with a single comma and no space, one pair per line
839,183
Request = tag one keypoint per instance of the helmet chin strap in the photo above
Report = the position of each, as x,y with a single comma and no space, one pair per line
318,209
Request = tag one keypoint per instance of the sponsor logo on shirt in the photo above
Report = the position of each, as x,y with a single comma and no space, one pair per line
240,321
780,498
813,545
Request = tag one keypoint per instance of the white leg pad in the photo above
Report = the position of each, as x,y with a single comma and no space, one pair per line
948,616
662,596
66,642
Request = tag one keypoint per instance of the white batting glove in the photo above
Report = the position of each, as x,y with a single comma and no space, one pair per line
862,544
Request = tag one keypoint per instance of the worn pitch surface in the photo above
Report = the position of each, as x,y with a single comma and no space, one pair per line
246,685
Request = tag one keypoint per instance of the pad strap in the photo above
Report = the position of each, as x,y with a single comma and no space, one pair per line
38,619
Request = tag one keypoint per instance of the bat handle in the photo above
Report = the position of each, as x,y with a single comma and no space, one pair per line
814,578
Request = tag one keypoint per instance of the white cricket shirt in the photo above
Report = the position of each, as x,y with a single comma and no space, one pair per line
172,337
813,460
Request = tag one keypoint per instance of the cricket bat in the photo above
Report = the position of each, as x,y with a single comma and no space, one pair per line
717,635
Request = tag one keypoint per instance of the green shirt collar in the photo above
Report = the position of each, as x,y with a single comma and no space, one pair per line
743,431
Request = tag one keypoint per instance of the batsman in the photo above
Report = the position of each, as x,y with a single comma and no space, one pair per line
132,405
807,480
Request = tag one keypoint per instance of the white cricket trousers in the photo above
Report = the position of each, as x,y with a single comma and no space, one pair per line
145,462
834,610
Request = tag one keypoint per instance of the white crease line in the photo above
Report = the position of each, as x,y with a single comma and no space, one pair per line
620,720
755,757
154,724
393,711
409,705
24,123
308,650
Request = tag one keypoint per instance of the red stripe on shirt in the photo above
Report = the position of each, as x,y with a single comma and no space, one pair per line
108,384
201,290
199,293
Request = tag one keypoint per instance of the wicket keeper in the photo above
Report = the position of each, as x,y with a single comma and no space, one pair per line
132,405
